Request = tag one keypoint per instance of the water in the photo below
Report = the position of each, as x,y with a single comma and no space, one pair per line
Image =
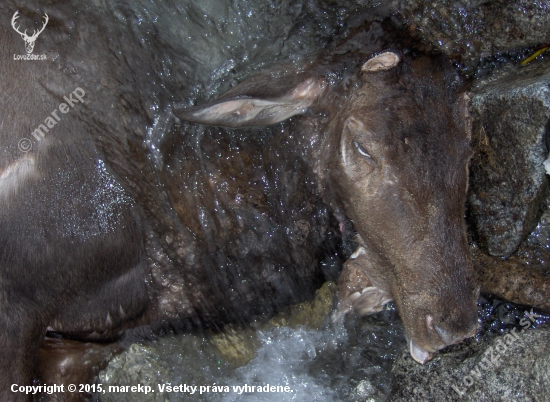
325,364
330,363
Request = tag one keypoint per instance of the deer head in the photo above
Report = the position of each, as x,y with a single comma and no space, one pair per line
29,40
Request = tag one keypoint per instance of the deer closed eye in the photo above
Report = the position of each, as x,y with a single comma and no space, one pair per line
361,150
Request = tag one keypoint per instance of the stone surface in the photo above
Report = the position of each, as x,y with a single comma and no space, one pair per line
468,30
137,365
312,314
227,351
535,250
236,345
514,366
508,181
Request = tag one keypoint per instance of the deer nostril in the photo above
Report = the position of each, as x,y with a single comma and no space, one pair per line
430,322
450,338
473,330
447,337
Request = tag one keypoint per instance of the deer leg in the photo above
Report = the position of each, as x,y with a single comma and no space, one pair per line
20,338
66,361
356,291
513,280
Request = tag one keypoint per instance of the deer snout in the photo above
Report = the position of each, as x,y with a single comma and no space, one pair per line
440,337
447,336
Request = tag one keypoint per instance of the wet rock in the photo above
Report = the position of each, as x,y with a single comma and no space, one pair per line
311,314
513,366
535,250
508,181
236,345
365,391
226,351
137,365
468,30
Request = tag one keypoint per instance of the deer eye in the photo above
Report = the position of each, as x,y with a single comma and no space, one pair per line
361,150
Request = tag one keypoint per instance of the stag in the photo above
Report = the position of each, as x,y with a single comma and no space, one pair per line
29,40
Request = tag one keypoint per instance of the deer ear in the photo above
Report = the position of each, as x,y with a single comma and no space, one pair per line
239,109
383,61
464,112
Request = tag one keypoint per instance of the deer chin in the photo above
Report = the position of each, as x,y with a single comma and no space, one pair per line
418,353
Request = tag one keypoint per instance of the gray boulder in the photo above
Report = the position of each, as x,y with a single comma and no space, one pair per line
469,30
508,182
514,366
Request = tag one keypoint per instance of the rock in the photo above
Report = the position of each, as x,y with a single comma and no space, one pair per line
311,314
469,30
137,365
514,366
535,250
510,110
508,181
228,350
236,345
365,391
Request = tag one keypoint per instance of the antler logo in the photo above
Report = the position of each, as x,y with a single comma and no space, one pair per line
29,40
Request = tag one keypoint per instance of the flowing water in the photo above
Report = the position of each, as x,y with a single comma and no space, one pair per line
325,364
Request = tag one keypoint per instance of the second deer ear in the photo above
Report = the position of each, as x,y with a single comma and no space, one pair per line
250,104
383,61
